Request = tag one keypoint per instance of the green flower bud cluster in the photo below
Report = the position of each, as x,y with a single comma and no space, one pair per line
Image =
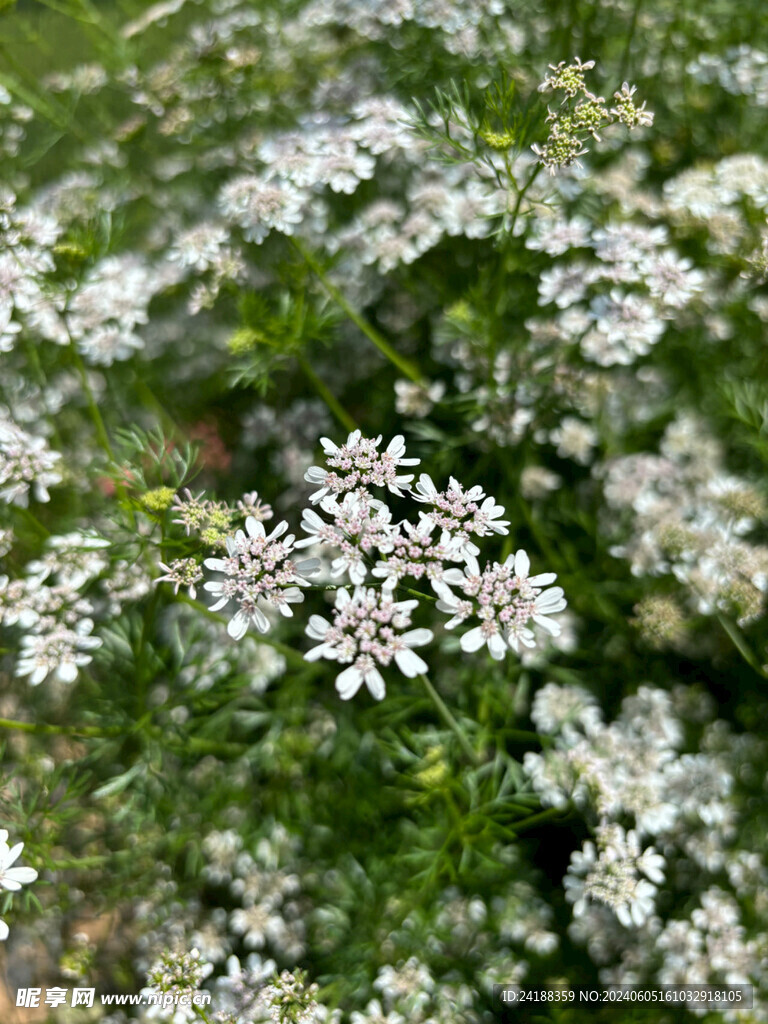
573,121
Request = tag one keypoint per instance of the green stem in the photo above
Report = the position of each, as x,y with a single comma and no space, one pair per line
327,395
381,343
521,195
523,736
449,720
628,45
537,819
34,522
98,423
94,860
34,360
200,745
741,645
59,730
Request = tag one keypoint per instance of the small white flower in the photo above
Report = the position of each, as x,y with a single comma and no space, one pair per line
12,878
259,206
58,651
26,462
505,599
417,399
365,634
461,513
360,525
358,465
258,569
182,572
413,552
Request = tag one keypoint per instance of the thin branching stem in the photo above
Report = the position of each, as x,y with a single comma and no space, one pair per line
450,721
41,728
741,645
334,405
403,365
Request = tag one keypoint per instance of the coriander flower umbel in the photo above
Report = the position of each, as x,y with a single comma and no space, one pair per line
365,635
610,874
416,553
26,462
59,650
12,878
182,572
360,525
258,569
357,465
212,520
505,599
461,512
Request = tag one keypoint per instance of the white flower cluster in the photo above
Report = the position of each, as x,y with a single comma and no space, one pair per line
503,597
692,519
26,464
258,572
370,629
632,767
270,911
367,632
611,874
110,304
46,603
27,235
616,306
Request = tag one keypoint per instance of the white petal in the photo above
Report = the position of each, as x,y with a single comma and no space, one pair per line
238,626
497,647
357,572
624,915
38,675
321,651
418,637
311,521
308,567
260,620
13,854
473,566
317,627
22,875
67,672
278,531
455,577
522,564
409,663
375,684
550,601
553,628
254,527
473,640
349,682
